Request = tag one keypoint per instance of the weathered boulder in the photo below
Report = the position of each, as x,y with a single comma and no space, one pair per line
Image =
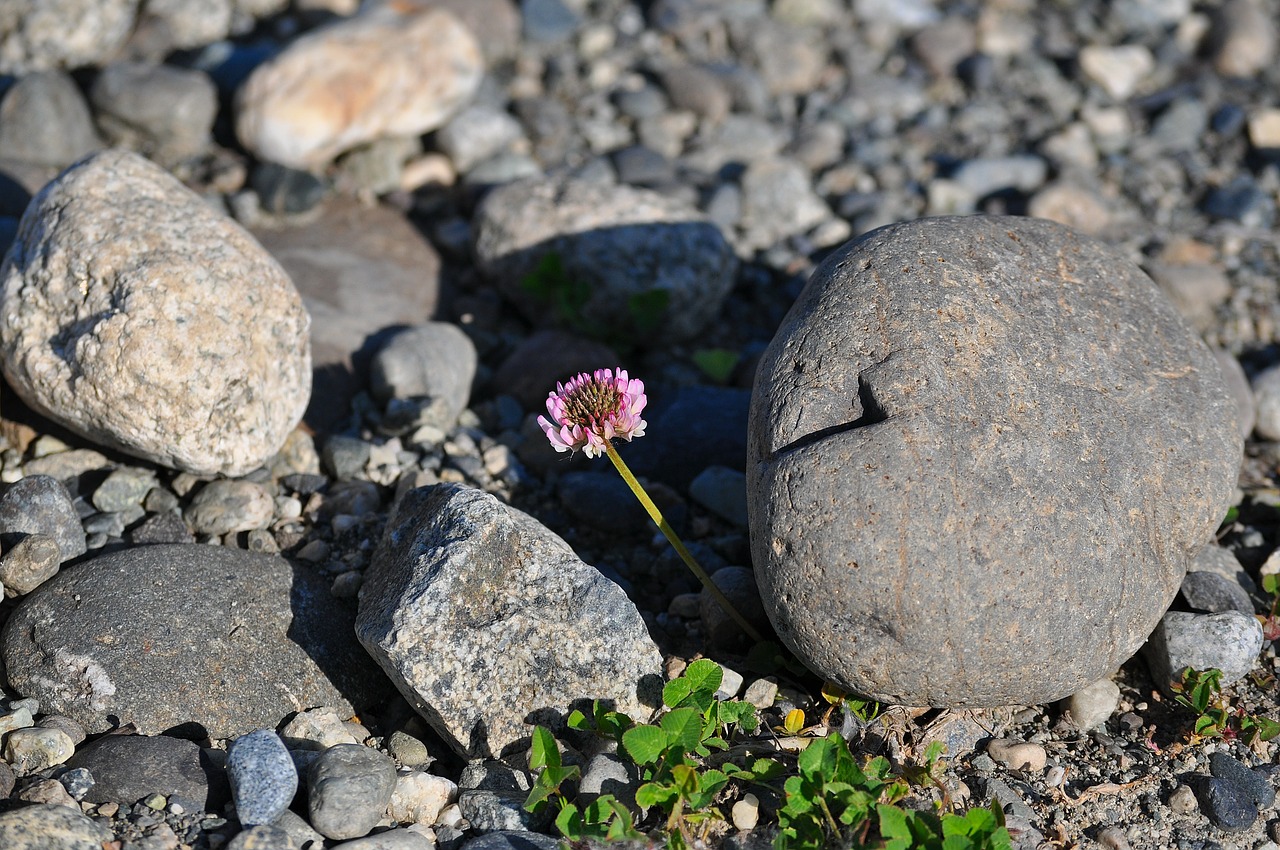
982,453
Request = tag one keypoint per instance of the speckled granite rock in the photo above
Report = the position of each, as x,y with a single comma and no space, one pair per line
488,622
135,315
982,453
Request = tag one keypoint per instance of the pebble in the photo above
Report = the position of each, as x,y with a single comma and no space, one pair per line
602,500
420,797
436,361
263,778
1226,804
48,791
778,202
1093,705
1243,38
30,562
316,729
32,749
126,768
512,840
263,837
273,653
228,505
41,827
40,504
1018,755
1117,69
738,584
1183,800
1210,593
408,750
413,582
1264,129
723,491
319,96
818,563
44,120
628,262
163,110
77,781
1229,641
762,693
178,290
1113,838
349,787
1254,783
1266,400
746,812
1196,289
477,133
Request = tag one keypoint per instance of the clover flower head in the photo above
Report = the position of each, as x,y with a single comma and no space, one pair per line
591,409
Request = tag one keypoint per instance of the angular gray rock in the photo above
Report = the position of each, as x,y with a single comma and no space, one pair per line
232,640
982,454
488,622
134,314
40,504
618,260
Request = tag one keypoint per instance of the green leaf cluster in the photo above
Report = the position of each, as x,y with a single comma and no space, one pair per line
1201,691
831,800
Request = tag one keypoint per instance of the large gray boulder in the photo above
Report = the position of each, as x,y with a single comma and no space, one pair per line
488,622
982,452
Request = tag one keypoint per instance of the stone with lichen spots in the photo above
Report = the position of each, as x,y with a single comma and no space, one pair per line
395,70
488,622
982,453
137,316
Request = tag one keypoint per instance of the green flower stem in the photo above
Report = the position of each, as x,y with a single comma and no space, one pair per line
676,543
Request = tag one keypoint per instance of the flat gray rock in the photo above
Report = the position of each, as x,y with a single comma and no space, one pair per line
186,636
612,259
982,453
488,622
126,768
137,316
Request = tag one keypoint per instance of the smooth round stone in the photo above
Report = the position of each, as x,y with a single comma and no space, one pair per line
136,315
44,120
999,407
122,489
39,504
232,640
350,786
263,778
1229,642
163,109
437,361
1213,594
126,768
1092,705
225,505
31,562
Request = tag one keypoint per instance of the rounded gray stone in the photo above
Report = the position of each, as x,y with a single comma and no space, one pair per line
982,452
137,316
350,786
263,778
126,768
436,361
32,561
40,504
1229,642
231,640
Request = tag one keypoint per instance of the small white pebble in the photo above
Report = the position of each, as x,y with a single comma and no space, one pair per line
1018,755
1055,776
746,812
288,507
1183,800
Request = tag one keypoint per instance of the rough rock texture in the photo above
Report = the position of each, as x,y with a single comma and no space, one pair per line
625,261
51,827
361,270
1229,641
127,768
488,622
181,635
42,34
135,315
322,95
982,453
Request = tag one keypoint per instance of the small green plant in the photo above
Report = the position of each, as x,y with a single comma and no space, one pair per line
552,285
1201,691
1270,623
716,363
604,818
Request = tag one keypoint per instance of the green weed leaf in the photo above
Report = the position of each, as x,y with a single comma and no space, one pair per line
645,744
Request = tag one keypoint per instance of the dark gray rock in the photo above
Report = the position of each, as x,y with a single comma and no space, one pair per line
126,768
625,262
39,504
696,428
45,120
233,641
1015,406
349,788
1213,594
511,840
1226,804
487,622
160,528
262,775
601,499
1254,783
1229,642
738,584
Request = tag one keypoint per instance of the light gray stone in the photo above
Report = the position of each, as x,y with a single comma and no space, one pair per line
1229,642
1093,704
32,561
436,362
233,641
134,314
161,110
40,504
631,262
44,120
723,491
32,749
263,778
1266,398
1208,592
349,787
1000,407
488,622
42,34
228,505
1238,383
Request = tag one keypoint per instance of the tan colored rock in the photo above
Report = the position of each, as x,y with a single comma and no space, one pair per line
140,318
1264,129
1118,70
393,71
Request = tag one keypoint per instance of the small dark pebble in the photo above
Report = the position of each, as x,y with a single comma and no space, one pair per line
1252,782
1226,804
